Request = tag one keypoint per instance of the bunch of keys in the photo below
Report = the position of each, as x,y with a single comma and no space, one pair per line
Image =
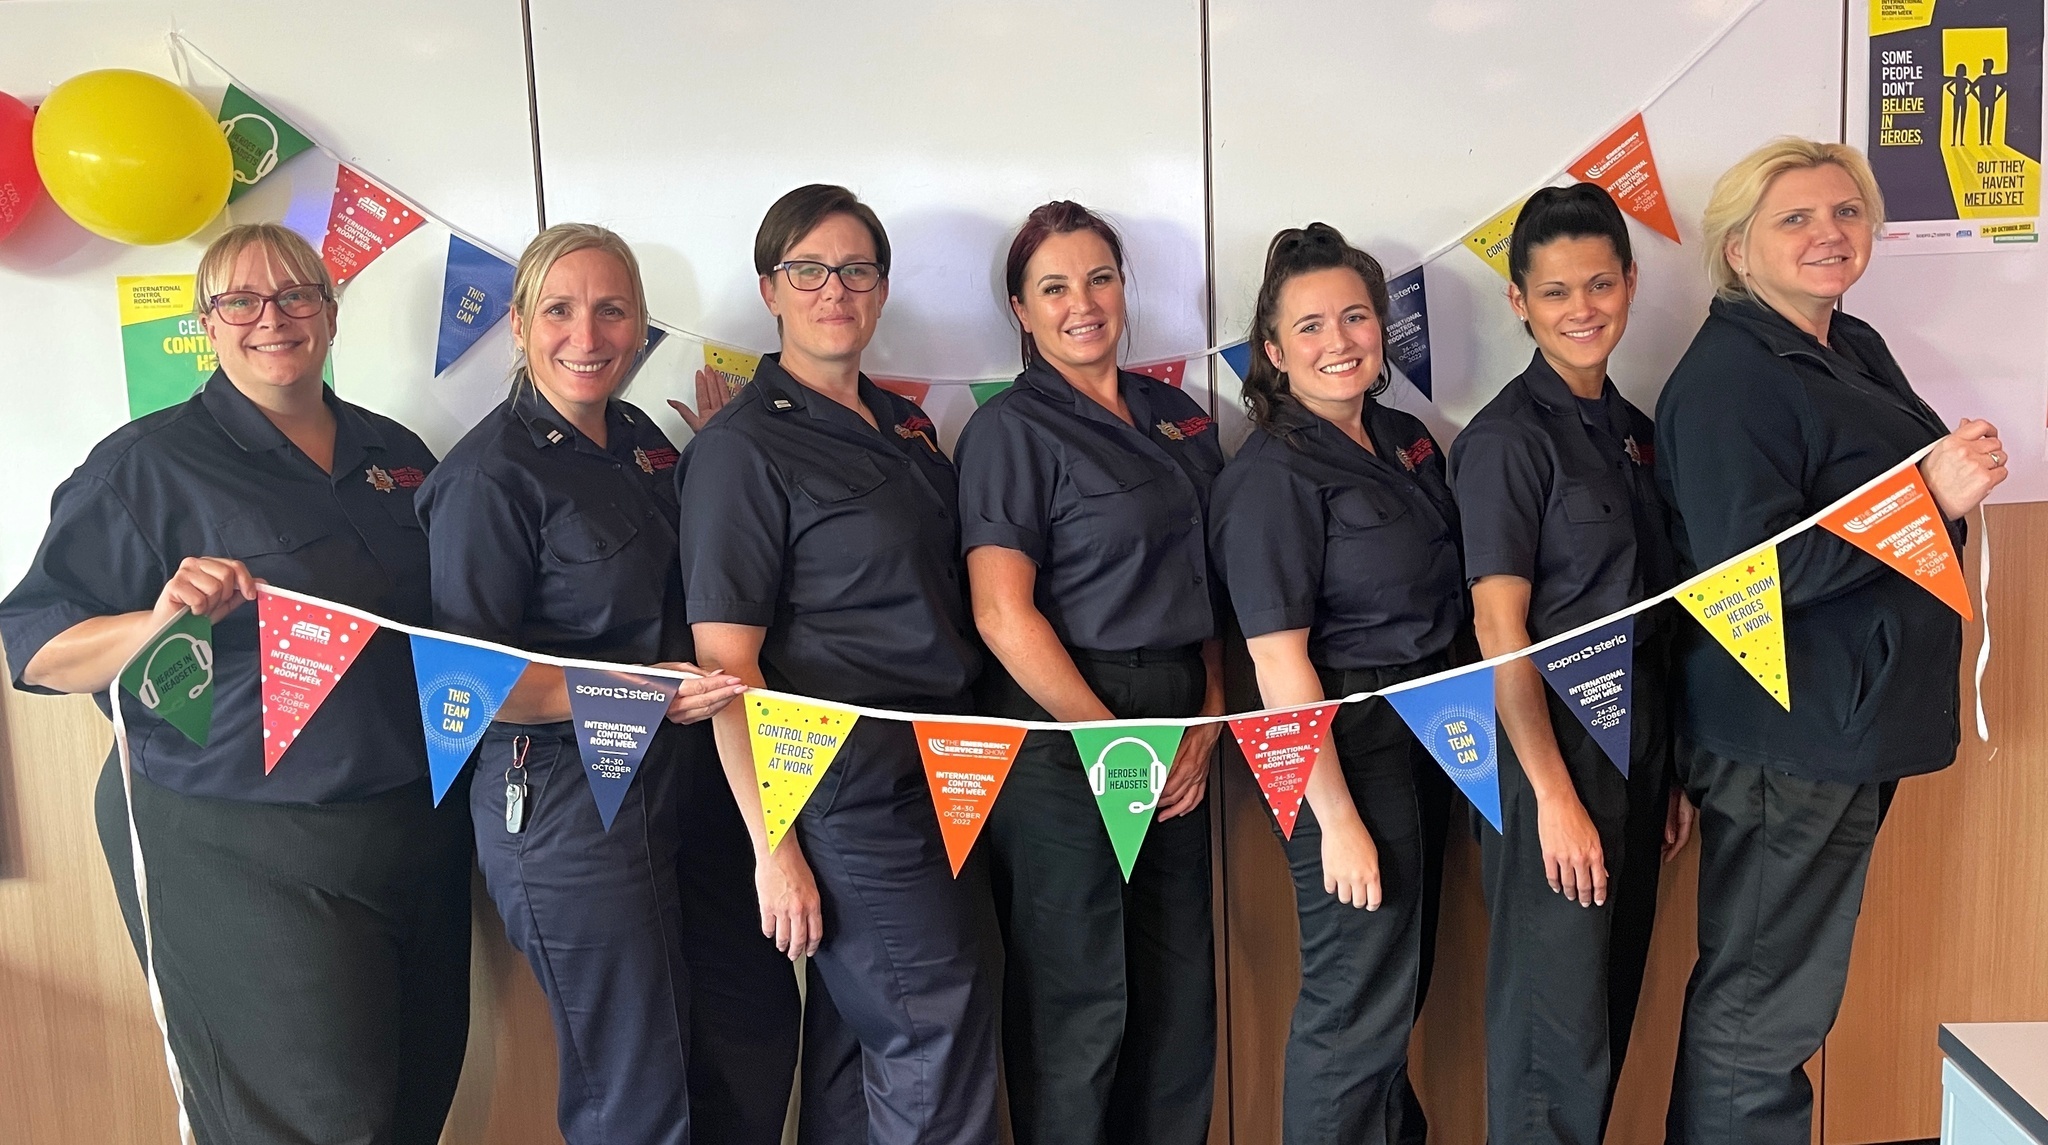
515,786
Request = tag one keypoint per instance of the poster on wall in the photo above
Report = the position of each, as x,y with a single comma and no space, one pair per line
1954,120
164,346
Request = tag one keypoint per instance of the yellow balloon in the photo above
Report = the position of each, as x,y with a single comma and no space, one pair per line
132,156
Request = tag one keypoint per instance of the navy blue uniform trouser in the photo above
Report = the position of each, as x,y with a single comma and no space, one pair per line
1562,980
313,959
612,922
900,1020
1109,1007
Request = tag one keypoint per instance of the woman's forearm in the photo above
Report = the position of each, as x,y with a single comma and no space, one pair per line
1501,618
1288,679
540,697
1032,653
87,656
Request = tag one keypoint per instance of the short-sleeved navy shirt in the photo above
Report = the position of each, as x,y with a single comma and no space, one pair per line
840,539
545,541
1309,530
1112,514
213,477
1563,494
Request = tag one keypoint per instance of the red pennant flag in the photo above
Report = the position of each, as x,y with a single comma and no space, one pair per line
1623,167
1898,523
306,651
1169,372
1282,749
363,221
904,387
966,765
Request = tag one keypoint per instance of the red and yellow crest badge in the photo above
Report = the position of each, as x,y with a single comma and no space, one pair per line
380,480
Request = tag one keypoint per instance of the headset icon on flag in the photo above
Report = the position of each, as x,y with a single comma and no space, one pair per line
202,652
1098,774
269,160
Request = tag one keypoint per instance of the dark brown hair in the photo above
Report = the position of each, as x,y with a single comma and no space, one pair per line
798,213
1059,217
1293,252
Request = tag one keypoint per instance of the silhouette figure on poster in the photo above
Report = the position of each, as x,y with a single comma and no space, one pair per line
1960,88
1989,89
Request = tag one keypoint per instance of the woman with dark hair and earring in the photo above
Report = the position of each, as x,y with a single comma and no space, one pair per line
1563,525
1337,538
1083,490
822,557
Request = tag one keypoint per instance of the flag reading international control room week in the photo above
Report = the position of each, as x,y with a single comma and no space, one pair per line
1282,748
794,742
306,651
616,714
1591,675
965,765
1899,524
1742,607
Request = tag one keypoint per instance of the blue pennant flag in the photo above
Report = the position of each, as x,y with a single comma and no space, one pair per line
476,294
616,714
461,688
1407,329
1591,675
1454,719
654,336
1239,358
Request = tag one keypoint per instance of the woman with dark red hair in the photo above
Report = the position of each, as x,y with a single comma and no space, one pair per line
1083,490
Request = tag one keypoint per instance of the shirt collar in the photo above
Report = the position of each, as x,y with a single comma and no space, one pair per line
250,428
1551,392
1043,377
549,428
782,393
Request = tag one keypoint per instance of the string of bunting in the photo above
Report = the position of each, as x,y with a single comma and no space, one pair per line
308,644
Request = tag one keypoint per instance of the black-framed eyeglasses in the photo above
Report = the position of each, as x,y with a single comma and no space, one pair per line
859,277
244,307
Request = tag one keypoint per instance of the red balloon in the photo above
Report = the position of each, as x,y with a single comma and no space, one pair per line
20,186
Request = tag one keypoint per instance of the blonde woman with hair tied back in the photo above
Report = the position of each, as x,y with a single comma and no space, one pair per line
553,529
1783,404
308,926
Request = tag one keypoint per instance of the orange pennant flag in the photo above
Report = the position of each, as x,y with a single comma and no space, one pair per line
966,765
1623,167
1898,523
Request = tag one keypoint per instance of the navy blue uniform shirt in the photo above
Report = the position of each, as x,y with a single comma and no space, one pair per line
544,541
840,539
213,477
1562,494
1308,530
1111,514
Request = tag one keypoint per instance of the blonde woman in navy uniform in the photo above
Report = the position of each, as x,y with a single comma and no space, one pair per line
1337,538
553,530
1083,494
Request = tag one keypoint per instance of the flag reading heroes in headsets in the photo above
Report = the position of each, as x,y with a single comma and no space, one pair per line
1591,675
1127,769
616,714
794,742
965,765
462,687
1282,748
476,292
258,138
172,675
307,649
1899,524
1453,718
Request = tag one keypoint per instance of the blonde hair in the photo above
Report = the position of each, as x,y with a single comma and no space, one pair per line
1740,190
549,247
291,250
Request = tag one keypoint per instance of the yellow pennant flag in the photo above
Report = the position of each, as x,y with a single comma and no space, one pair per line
735,367
1740,604
1489,240
794,742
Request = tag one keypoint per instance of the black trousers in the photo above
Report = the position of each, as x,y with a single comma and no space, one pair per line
1782,862
1109,991
1347,1052
602,918
313,959
900,1024
1562,980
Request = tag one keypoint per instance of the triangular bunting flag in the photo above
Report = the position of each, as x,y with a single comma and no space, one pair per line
965,765
1407,328
362,222
461,688
735,366
258,138
1739,603
983,391
904,387
1592,676
1899,524
1623,167
173,675
307,649
654,336
1126,768
1282,748
1238,356
1172,373
794,742
476,292
616,715
1453,718
1489,240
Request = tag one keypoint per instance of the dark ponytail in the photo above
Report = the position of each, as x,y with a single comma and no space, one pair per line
1297,251
1580,211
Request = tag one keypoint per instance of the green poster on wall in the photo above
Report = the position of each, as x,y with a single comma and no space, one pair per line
163,344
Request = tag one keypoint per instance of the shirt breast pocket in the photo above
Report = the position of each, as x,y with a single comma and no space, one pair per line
1591,506
1356,510
1117,505
849,511
588,536
282,554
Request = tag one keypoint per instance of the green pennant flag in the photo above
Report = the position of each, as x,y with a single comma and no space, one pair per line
173,675
258,138
1126,768
983,391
